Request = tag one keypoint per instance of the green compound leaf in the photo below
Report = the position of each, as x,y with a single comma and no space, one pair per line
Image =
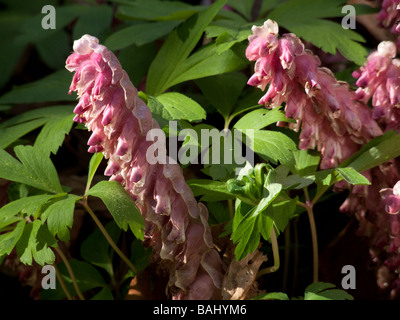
35,243
9,240
35,169
177,48
57,121
60,216
121,206
53,134
49,88
306,19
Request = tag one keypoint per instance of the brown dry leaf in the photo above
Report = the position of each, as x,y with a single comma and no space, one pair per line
241,276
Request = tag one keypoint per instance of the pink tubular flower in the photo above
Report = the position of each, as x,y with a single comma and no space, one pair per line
326,111
379,79
176,225
391,198
389,15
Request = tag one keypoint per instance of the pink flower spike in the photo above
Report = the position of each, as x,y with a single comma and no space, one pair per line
176,224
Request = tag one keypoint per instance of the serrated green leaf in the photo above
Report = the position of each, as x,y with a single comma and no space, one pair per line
35,243
121,206
16,127
177,48
140,34
50,88
305,18
261,118
247,234
28,206
52,135
37,170
9,240
60,216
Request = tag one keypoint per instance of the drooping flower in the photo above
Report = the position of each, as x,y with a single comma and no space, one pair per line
389,15
328,116
391,198
176,225
379,79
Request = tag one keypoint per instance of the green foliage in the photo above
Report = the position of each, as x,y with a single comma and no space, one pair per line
315,291
308,19
121,206
189,64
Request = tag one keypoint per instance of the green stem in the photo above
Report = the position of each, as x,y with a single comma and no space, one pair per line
231,208
107,236
71,272
62,283
275,252
314,241
287,257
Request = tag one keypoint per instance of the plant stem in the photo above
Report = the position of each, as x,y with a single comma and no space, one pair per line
62,283
275,252
70,271
107,236
314,241
287,257
231,208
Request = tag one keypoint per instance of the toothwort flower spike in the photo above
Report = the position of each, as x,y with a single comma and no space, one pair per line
176,225
377,206
328,116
